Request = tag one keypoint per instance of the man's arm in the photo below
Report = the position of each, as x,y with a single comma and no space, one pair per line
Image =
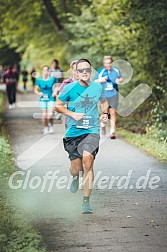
98,77
59,107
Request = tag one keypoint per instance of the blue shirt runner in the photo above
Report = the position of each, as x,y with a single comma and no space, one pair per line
110,87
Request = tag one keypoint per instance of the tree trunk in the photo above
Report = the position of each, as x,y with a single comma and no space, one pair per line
52,14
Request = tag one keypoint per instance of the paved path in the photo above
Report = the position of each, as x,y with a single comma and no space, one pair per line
124,219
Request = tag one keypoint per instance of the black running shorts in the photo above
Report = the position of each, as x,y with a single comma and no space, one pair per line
76,145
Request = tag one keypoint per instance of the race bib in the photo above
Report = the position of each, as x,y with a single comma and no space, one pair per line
86,123
45,97
109,87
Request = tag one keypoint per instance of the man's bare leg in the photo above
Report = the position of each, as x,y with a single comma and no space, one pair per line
44,118
50,115
76,166
45,121
88,177
112,121
50,120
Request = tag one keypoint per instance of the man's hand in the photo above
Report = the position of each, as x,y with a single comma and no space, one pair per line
118,81
77,116
101,80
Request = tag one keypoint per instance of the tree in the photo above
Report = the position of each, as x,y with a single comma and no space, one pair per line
134,31
64,29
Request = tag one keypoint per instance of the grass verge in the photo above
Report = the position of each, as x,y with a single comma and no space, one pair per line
151,145
16,231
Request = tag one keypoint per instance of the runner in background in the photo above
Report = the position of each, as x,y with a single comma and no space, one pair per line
56,72
10,78
33,79
74,75
109,77
44,88
24,78
16,71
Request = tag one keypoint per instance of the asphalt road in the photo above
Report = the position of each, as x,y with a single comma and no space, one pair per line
129,215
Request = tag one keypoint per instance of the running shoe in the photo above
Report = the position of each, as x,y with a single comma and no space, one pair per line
45,131
50,128
86,208
13,106
112,136
75,184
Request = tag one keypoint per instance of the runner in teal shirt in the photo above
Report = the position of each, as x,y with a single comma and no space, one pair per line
46,87
82,134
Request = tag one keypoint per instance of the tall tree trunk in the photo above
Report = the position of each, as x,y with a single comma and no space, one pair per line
52,14
64,6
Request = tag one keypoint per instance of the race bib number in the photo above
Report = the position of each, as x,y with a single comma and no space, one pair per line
86,123
109,87
45,97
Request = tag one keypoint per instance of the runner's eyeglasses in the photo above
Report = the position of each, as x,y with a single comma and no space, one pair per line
87,70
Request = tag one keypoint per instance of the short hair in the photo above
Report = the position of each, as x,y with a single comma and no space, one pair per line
73,63
108,57
55,61
83,60
45,66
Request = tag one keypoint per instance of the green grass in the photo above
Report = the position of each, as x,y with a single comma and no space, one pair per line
149,144
17,233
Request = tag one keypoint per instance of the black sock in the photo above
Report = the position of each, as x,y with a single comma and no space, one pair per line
86,198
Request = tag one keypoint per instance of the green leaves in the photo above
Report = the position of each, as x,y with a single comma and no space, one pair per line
131,30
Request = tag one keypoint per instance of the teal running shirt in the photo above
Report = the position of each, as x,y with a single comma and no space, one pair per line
82,99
